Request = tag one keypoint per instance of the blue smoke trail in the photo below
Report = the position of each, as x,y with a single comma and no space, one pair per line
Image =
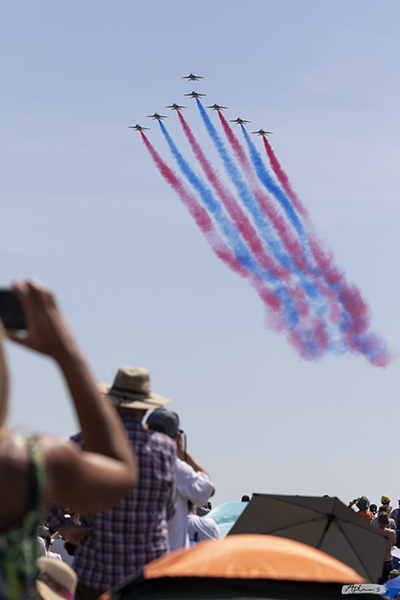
229,230
249,201
271,186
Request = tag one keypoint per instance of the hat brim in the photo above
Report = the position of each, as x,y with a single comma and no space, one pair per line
131,400
46,593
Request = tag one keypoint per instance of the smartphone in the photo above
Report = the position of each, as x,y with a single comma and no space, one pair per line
11,312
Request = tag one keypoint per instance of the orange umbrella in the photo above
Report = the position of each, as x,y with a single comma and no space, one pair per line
253,557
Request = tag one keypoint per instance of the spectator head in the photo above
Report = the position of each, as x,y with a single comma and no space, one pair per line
245,498
383,519
3,383
373,508
165,421
362,503
55,580
385,500
131,390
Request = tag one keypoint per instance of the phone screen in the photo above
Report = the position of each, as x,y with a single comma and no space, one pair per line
11,312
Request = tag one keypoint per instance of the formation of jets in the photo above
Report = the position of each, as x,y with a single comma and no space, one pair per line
217,107
239,121
175,106
262,132
138,128
192,77
157,117
195,95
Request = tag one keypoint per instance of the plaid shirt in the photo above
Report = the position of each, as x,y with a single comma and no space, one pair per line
134,531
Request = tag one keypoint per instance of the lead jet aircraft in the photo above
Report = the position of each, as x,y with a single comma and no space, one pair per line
138,128
239,121
195,95
192,77
176,106
262,132
157,117
217,107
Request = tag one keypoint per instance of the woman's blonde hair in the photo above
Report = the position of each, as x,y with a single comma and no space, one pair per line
3,384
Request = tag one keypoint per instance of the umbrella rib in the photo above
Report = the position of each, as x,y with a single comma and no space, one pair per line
295,524
352,547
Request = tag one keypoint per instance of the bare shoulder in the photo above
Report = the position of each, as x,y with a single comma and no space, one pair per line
14,479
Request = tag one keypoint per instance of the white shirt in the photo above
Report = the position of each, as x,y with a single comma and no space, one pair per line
192,485
202,528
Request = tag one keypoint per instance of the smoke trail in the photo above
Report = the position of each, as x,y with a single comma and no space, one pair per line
231,233
284,180
299,256
203,221
355,321
246,195
290,242
271,186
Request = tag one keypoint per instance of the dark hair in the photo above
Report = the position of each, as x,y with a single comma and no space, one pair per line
383,518
245,498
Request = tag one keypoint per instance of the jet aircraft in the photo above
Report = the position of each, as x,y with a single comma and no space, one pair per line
195,95
175,106
157,116
138,127
262,132
192,77
239,121
217,107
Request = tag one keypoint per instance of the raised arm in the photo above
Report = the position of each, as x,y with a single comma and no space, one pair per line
108,467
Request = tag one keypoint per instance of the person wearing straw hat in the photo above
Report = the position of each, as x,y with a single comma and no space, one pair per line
134,532
55,580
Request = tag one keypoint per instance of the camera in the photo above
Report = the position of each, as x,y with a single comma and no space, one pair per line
11,311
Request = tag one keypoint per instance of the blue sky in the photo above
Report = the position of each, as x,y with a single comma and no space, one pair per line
85,211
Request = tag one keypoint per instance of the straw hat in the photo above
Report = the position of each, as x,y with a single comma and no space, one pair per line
55,579
131,389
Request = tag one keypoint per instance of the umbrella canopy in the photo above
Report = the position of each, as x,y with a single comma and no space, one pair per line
322,522
249,566
225,515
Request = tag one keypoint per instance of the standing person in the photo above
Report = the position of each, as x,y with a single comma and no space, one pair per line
114,543
193,481
395,515
42,468
200,528
383,525
362,504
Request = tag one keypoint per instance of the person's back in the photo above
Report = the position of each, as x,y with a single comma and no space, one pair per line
193,482
134,531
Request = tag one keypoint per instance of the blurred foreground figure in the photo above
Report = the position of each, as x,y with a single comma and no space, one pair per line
193,482
55,580
114,543
37,470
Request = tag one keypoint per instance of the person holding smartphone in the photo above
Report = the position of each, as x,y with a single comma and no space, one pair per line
45,468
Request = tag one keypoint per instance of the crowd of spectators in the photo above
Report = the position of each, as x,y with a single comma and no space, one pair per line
384,518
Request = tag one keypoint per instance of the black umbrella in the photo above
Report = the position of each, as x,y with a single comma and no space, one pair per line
322,522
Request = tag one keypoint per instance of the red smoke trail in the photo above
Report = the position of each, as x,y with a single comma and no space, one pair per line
205,224
238,216
283,229
284,180
356,330
289,240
